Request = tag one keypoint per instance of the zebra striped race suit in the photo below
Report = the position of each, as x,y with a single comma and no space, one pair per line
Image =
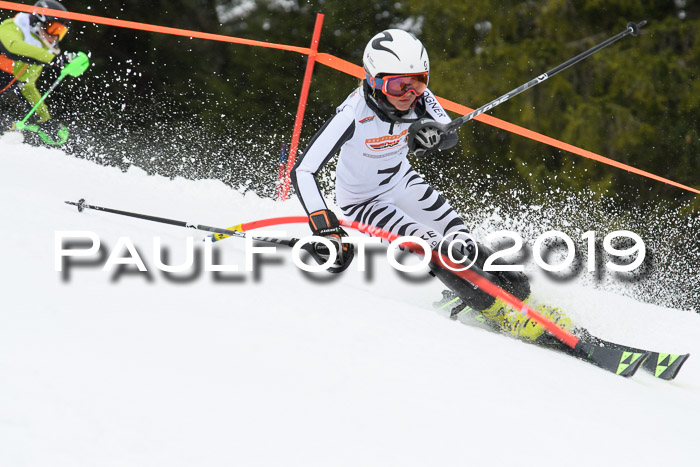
375,183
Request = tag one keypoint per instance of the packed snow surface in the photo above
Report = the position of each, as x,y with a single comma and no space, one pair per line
277,367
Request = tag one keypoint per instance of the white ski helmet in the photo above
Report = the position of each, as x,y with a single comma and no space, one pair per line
395,52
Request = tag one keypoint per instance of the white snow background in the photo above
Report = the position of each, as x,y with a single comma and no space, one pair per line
277,369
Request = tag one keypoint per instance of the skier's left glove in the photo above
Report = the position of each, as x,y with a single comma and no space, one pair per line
427,136
325,224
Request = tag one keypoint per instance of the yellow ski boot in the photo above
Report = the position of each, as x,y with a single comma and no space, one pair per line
520,326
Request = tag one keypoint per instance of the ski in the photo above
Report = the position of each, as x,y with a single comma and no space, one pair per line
617,358
662,365
621,362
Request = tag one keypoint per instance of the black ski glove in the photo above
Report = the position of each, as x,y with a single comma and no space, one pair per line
324,223
427,136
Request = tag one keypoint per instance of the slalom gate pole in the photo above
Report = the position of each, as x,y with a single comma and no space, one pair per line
62,134
357,71
619,361
632,29
487,286
259,224
75,68
437,258
14,78
495,291
302,107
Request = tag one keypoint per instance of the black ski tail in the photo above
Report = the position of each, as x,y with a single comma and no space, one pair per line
662,365
665,365
621,362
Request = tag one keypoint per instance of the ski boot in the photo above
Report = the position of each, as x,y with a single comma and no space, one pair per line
502,317
459,311
520,326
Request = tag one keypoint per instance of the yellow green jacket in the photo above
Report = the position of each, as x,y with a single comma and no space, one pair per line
29,63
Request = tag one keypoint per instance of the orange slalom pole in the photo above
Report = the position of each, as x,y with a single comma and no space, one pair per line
148,27
350,69
357,71
291,158
339,64
540,138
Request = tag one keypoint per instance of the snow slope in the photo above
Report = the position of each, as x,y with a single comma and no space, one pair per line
276,368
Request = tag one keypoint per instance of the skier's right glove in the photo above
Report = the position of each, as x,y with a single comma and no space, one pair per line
325,224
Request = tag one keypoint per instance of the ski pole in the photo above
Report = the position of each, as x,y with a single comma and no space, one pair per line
82,205
75,68
632,29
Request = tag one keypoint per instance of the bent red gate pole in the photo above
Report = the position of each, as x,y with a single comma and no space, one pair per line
302,107
487,286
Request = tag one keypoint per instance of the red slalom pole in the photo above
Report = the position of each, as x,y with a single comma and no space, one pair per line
291,158
487,286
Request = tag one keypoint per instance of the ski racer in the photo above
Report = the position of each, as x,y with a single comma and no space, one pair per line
376,185
27,43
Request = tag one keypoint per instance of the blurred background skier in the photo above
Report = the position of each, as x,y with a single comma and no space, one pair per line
27,43
391,114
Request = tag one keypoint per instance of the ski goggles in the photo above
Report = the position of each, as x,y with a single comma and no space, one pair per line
400,85
57,29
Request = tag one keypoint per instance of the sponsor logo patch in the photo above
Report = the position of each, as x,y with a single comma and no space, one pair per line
385,142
